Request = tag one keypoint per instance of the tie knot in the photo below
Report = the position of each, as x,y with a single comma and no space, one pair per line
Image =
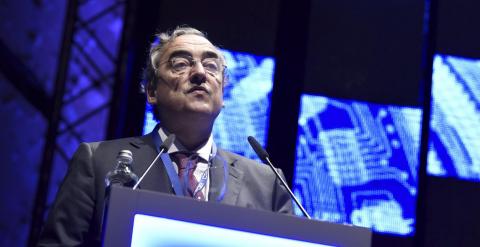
185,160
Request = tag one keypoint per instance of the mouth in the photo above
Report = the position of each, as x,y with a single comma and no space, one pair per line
198,89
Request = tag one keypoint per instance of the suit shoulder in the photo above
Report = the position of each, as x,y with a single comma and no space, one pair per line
244,162
233,157
117,143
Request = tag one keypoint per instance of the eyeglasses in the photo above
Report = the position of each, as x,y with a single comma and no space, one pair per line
183,64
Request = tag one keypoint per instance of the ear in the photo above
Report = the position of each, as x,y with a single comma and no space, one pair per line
151,96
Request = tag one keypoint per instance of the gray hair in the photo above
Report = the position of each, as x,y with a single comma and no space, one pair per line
149,81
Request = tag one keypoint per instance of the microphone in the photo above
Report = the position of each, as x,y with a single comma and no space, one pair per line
263,155
163,148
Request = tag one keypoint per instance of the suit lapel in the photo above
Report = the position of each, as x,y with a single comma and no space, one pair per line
217,178
145,152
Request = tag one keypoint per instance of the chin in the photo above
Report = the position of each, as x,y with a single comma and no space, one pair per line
205,111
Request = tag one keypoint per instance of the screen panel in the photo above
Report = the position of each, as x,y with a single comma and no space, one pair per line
145,233
246,103
357,162
454,132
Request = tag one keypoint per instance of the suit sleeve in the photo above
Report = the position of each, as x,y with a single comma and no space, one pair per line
281,198
69,219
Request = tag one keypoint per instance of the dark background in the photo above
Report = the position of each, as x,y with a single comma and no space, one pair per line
376,51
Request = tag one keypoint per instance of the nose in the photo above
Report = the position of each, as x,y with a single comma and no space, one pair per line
198,74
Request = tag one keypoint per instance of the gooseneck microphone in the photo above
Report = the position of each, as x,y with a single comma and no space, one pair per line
163,148
263,155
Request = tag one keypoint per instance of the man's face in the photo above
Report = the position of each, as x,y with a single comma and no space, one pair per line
185,87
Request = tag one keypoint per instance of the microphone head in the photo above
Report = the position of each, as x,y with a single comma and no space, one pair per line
167,143
262,154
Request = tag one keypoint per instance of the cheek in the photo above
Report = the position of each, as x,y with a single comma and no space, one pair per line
218,83
219,91
170,85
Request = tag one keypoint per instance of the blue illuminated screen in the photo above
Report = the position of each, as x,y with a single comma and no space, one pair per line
247,103
357,163
454,125
158,231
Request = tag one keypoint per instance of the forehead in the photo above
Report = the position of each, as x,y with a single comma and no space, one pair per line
194,44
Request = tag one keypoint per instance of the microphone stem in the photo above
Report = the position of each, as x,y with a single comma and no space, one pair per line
288,189
148,169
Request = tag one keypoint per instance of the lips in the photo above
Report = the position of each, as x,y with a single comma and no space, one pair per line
198,88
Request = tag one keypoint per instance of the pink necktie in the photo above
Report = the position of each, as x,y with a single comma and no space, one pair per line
187,163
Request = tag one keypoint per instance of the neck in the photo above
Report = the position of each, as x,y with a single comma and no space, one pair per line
191,133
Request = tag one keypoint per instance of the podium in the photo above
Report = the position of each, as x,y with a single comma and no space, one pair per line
147,218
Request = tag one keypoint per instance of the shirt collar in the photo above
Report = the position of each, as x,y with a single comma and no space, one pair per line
203,151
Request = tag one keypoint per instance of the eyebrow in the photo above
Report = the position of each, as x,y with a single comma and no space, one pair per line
209,54
185,53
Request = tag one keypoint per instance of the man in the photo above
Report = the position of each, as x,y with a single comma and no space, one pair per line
184,81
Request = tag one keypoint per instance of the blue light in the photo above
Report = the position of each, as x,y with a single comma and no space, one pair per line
149,122
158,231
247,103
357,163
454,132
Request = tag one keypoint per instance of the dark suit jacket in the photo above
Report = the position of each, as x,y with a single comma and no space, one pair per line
76,215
